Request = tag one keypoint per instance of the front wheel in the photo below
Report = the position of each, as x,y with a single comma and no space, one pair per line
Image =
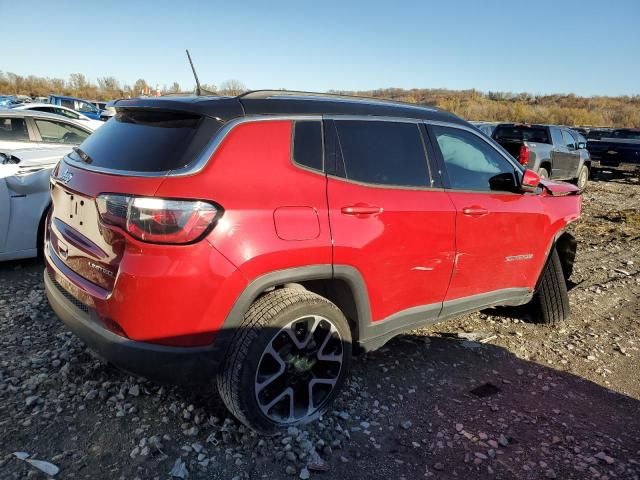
543,173
551,300
287,361
583,177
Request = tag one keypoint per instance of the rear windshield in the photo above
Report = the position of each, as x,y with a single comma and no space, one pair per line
140,140
627,134
521,133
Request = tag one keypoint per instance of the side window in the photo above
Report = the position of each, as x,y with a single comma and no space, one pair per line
473,164
66,113
307,143
383,153
68,104
569,141
556,135
86,107
58,132
13,130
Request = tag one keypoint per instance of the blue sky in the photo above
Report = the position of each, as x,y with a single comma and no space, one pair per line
540,46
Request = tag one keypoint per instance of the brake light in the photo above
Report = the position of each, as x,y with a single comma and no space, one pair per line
523,158
158,220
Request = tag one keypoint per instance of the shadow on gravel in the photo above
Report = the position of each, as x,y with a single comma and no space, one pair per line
420,406
615,176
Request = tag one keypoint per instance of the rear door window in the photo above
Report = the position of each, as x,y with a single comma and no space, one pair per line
59,132
569,141
556,135
140,140
13,129
382,153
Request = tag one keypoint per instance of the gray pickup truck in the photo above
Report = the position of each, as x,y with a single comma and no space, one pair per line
553,151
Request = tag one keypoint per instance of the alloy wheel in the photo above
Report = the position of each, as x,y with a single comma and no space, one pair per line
299,369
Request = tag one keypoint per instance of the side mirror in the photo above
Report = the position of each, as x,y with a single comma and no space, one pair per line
581,145
530,181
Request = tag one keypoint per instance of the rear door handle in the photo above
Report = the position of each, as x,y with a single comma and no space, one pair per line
475,211
361,209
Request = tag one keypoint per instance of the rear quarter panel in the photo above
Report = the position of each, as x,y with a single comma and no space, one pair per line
251,175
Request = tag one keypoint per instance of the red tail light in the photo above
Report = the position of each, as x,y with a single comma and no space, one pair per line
523,158
158,220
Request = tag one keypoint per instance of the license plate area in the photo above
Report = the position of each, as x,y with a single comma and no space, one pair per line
75,210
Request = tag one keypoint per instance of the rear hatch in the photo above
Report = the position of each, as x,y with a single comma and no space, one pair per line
130,155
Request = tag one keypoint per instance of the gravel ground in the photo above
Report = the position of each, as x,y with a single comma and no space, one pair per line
488,395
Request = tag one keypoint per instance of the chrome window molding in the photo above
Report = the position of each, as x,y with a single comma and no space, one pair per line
198,165
205,155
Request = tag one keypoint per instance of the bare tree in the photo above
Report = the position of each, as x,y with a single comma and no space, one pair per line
232,87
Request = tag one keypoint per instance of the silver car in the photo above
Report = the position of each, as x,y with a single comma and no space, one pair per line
28,129
25,199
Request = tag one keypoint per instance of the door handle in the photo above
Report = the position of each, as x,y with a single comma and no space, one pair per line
475,211
360,209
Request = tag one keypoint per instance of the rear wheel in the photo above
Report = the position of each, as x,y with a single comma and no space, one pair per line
551,301
288,361
543,173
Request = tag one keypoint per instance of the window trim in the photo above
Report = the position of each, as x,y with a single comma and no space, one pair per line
323,169
479,135
360,118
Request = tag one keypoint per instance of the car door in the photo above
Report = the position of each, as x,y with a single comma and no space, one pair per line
389,219
14,133
560,155
573,160
498,242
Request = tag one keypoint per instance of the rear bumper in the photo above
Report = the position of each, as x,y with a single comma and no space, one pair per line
164,364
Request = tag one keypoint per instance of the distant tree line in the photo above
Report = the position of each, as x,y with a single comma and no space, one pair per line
106,88
570,109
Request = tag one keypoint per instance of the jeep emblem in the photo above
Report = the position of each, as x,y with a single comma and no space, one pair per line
65,177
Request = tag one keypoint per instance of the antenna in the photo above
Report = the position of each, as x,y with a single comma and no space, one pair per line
198,92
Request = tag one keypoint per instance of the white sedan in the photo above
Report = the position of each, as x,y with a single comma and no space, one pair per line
25,199
62,111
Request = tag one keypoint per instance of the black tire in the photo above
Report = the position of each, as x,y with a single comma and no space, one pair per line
583,178
551,301
263,323
40,234
543,173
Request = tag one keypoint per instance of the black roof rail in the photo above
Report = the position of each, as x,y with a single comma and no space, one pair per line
265,94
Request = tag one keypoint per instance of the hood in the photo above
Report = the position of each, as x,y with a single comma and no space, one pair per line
559,189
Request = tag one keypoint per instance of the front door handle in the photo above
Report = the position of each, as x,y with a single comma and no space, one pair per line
361,209
475,211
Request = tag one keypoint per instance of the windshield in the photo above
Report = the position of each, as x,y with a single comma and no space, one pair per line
521,133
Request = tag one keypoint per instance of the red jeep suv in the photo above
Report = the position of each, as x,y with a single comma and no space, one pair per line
258,240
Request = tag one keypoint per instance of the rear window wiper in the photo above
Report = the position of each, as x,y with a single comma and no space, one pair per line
83,156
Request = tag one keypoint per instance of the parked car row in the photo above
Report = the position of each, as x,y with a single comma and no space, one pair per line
588,149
